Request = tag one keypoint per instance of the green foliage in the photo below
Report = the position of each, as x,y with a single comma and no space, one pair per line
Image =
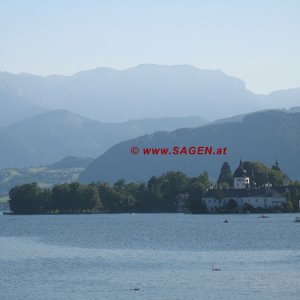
75,197
196,188
225,177
224,185
157,195
260,173
293,196
248,208
197,206
232,205
64,198
29,198
44,176
288,206
119,198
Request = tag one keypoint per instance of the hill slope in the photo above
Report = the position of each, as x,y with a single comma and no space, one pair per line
264,136
14,108
51,136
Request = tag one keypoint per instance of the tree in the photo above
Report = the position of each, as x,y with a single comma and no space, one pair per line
288,206
143,198
60,197
90,198
225,176
232,205
171,184
197,206
29,198
75,197
260,173
247,207
293,196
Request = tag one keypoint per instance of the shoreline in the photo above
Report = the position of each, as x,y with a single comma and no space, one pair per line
8,213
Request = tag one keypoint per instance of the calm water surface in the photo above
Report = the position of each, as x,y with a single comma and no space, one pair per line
165,256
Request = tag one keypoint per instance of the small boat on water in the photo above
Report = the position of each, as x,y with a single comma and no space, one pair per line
7,213
297,219
213,268
263,217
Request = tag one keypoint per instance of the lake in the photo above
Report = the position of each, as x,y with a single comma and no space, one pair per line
164,256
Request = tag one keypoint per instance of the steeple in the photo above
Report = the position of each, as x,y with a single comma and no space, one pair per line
276,166
240,178
240,171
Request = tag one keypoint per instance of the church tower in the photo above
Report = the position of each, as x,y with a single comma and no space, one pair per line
240,178
276,166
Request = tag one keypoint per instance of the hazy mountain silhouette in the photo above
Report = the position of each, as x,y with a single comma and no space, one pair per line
14,108
264,136
48,137
142,92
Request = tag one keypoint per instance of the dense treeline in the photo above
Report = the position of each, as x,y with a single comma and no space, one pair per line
259,174
64,198
157,195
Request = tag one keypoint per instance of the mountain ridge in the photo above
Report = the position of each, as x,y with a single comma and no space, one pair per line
53,135
264,136
150,90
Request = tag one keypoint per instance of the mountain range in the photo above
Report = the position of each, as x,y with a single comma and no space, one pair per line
14,108
51,136
263,136
144,91
44,119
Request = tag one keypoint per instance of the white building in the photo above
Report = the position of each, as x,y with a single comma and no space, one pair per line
240,178
239,199
242,197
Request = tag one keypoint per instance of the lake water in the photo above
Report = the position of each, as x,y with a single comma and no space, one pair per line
165,256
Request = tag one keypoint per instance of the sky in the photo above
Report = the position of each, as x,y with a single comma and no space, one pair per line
257,41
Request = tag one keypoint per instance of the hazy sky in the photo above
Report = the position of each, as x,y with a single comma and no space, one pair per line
257,41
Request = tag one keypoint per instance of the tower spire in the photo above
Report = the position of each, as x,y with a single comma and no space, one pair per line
276,166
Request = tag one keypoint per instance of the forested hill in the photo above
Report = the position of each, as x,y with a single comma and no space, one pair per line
265,137
51,136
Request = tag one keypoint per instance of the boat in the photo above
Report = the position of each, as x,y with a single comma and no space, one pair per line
226,221
263,217
213,268
297,219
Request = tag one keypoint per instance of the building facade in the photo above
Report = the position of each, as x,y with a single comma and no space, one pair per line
244,196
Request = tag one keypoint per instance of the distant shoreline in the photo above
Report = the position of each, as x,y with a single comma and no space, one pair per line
7,213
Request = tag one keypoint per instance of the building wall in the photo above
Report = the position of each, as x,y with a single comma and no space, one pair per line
261,201
241,182
181,202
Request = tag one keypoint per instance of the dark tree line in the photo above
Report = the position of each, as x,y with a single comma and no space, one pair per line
29,198
158,194
64,198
